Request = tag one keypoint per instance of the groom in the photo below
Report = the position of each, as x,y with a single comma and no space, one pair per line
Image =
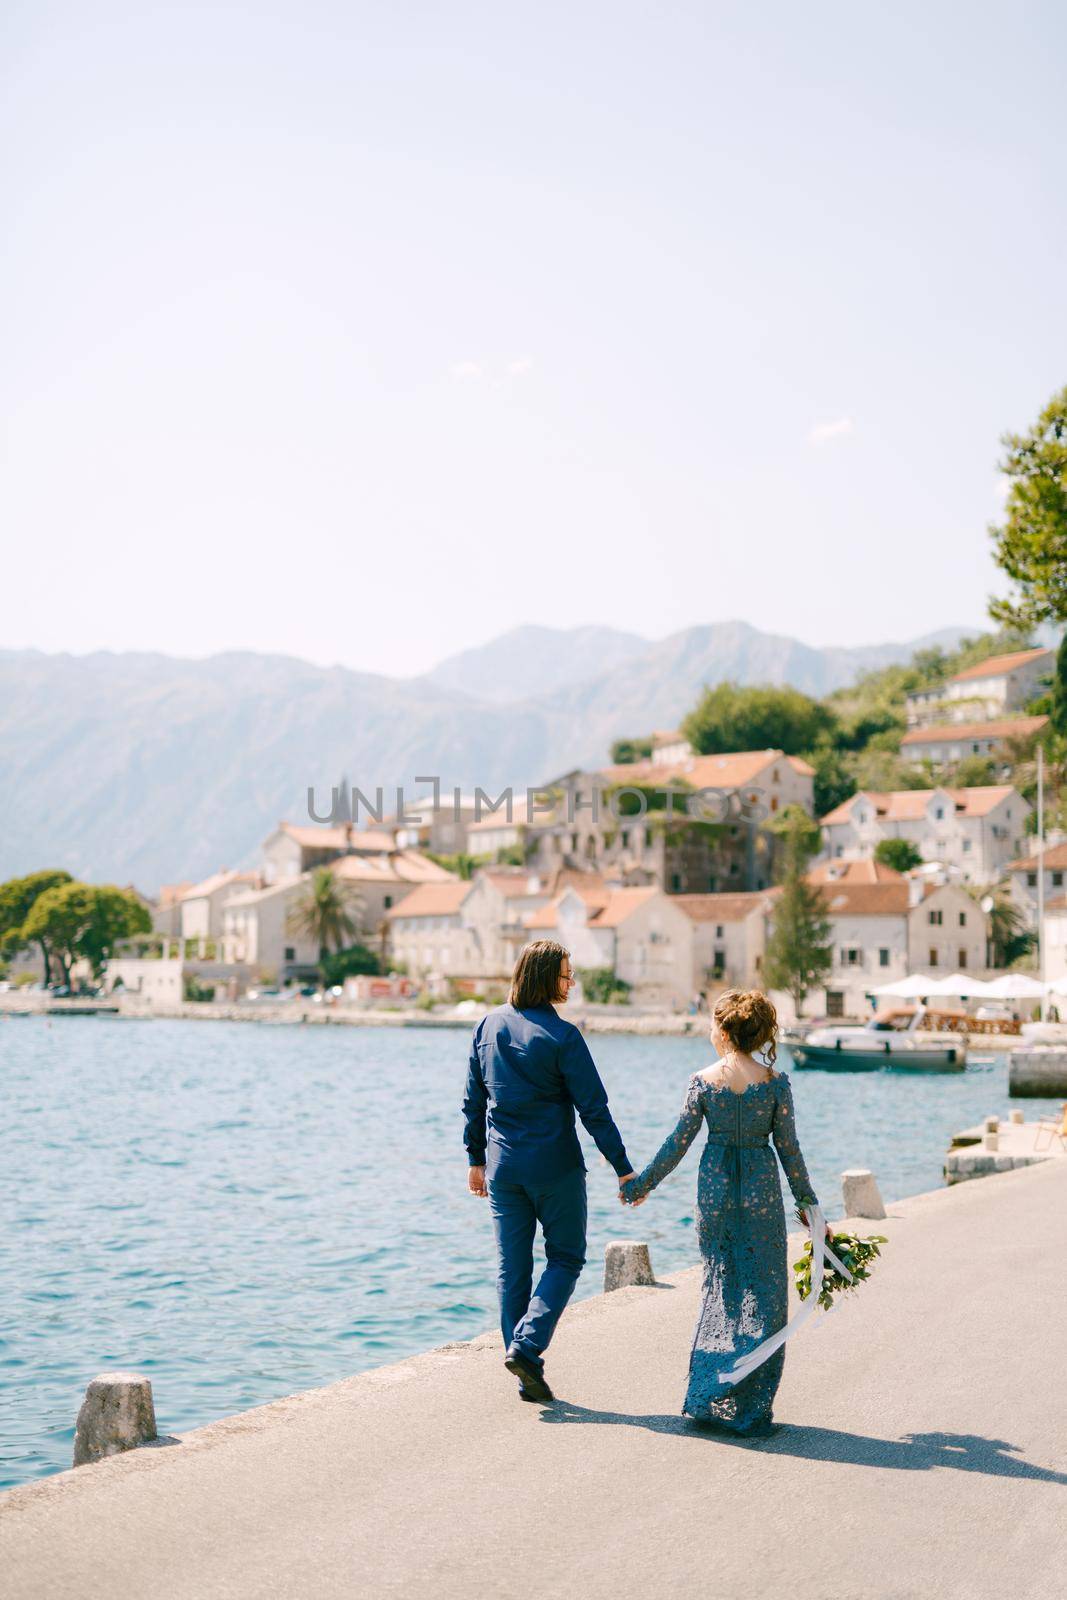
529,1072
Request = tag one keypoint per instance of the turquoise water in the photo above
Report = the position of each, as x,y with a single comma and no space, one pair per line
242,1211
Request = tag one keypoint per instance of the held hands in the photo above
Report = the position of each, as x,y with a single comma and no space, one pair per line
476,1181
629,1178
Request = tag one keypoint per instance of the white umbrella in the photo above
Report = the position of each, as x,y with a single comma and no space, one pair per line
1015,986
964,984
1057,986
909,988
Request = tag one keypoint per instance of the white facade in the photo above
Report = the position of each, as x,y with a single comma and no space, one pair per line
255,934
1023,877
1054,948
155,981
947,932
993,688
975,831
201,907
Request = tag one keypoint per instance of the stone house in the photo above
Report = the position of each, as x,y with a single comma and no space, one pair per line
945,743
729,934
1022,874
991,688
640,934
977,831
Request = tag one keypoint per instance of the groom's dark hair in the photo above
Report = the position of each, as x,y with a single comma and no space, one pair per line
535,981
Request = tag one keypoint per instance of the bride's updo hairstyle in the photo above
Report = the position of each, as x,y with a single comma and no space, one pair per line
747,1018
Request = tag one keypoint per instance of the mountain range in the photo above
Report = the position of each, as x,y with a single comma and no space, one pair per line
148,769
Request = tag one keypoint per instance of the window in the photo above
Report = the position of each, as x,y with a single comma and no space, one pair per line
1031,880
966,845
883,958
935,918
1057,880
774,801
718,930
624,838
718,963
388,901
961,952
963,919
835,1003
850,956
290,953
939,812
676,883
933,957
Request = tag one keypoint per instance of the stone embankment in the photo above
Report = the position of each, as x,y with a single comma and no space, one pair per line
921,1454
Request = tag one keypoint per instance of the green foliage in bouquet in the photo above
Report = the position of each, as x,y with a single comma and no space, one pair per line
853,1252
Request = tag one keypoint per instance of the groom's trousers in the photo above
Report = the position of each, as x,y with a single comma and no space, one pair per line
528,1316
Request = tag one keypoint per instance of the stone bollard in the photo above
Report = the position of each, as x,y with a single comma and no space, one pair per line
117,1414
626,1264
861,1193
1016,1115
991,1133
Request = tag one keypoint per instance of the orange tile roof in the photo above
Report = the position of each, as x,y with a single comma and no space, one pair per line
1058,904
432,900
608,912
400,866
725,907
998,728
992,666
622,903
866,871
909,805
865,899
800,765
1055,857
328,836
512,882
219,880
728,770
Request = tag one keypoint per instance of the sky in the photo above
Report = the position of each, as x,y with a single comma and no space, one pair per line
363,333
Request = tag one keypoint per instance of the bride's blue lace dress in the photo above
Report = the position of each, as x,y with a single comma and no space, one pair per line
742,1235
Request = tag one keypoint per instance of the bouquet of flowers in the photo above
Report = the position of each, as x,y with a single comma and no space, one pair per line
851,1252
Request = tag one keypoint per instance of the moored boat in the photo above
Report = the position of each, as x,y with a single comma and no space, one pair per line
896,1043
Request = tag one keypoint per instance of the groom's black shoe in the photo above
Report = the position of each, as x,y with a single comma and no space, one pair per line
534,1386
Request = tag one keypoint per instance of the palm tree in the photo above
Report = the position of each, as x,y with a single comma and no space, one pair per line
1009,938
328,912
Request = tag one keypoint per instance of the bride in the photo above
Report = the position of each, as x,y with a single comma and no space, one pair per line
740,1216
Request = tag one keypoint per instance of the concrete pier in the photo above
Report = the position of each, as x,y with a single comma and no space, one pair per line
920,1420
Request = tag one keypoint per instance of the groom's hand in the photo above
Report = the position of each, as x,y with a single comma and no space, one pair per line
476,1181
622,1198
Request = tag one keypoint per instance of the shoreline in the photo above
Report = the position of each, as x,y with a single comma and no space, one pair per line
314,1491
606,1020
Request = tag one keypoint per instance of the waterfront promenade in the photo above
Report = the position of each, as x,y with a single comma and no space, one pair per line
923,1453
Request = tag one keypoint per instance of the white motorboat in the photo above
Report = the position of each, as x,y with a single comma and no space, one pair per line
894,1040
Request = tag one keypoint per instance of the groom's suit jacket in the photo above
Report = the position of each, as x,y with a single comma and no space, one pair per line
529,1072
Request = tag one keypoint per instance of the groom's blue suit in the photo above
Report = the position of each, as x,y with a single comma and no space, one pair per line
529,1072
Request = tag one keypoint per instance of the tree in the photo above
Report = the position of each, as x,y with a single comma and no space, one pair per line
624,752
84,921
17,898
354,962
1058,708
900,854
833,780
1009,938
769,717
327,913
799,955
1031,546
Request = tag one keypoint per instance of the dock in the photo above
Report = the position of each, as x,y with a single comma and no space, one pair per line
922,1453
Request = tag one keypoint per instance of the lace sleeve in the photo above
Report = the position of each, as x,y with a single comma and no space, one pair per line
784,1134
674,1146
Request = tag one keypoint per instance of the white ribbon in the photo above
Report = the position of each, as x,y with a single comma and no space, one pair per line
820,1249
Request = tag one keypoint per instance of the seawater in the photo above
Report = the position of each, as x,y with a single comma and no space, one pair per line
243,1210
